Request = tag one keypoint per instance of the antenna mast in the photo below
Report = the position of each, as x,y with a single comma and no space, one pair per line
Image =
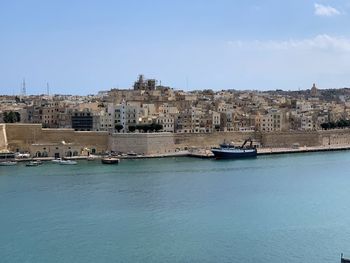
23,89
47,89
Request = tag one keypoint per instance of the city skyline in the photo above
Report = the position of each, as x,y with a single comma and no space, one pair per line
85,47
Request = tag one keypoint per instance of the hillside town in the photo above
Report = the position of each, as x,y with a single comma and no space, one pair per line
150,106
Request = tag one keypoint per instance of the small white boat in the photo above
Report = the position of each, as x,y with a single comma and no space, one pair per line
64,162
110,160
22,155
67,162
91,158
34,163
8,163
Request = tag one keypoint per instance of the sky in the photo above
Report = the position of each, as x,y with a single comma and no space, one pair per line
82,46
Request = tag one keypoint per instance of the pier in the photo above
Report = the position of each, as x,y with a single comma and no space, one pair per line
305,149
203,153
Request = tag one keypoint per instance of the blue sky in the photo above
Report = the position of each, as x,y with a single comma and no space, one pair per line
81,47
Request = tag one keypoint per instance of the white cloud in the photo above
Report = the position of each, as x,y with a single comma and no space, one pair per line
322,10
291,62
320,42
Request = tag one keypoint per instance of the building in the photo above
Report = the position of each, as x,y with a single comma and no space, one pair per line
271,121
145,84
82,120
125,116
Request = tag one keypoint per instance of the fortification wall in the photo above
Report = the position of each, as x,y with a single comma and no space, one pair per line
3,139
268,139
335,137
22,136
287,139
142,143
206,140
314,138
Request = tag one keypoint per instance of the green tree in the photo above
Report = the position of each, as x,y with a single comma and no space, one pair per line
11,117
132,128
156,127
118,127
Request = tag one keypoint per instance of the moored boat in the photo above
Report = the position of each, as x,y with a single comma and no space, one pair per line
67,162
58,160
110,160
229,151
34,163
344,260
91,158
63,162
8,163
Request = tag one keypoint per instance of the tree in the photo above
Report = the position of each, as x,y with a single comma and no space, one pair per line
118,127
11,117
342,123
132,128
149,127
325,126
157,127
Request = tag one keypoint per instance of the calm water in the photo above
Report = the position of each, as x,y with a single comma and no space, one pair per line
290,208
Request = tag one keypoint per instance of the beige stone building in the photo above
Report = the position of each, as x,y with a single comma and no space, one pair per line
271,121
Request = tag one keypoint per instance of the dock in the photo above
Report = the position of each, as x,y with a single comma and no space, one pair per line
204,153
305,149
270,151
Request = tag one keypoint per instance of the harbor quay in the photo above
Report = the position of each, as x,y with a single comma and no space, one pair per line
67,143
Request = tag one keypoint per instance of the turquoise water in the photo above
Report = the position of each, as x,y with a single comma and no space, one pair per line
287,208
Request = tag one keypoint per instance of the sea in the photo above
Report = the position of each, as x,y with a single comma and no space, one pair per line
282,208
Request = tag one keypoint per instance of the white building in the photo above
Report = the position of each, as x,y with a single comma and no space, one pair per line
125,115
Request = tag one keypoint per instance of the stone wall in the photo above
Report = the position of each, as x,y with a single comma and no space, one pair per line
22,136
267,139
287,139
142,143
3,139
314,138
335,137
207,140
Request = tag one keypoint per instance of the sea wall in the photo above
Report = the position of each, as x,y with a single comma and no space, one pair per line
267,139
288,139
22,136
207,140
142,143
3,139
335,137
315,138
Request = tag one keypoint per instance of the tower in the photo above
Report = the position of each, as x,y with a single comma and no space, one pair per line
23,88
47,89
314,90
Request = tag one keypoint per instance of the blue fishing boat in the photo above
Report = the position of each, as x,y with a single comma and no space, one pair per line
344,260
229,151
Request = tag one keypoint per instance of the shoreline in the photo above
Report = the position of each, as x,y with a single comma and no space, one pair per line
203,153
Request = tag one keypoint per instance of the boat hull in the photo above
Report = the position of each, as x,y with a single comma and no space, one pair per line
34,163
237,154
63,162
110,161
8,163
